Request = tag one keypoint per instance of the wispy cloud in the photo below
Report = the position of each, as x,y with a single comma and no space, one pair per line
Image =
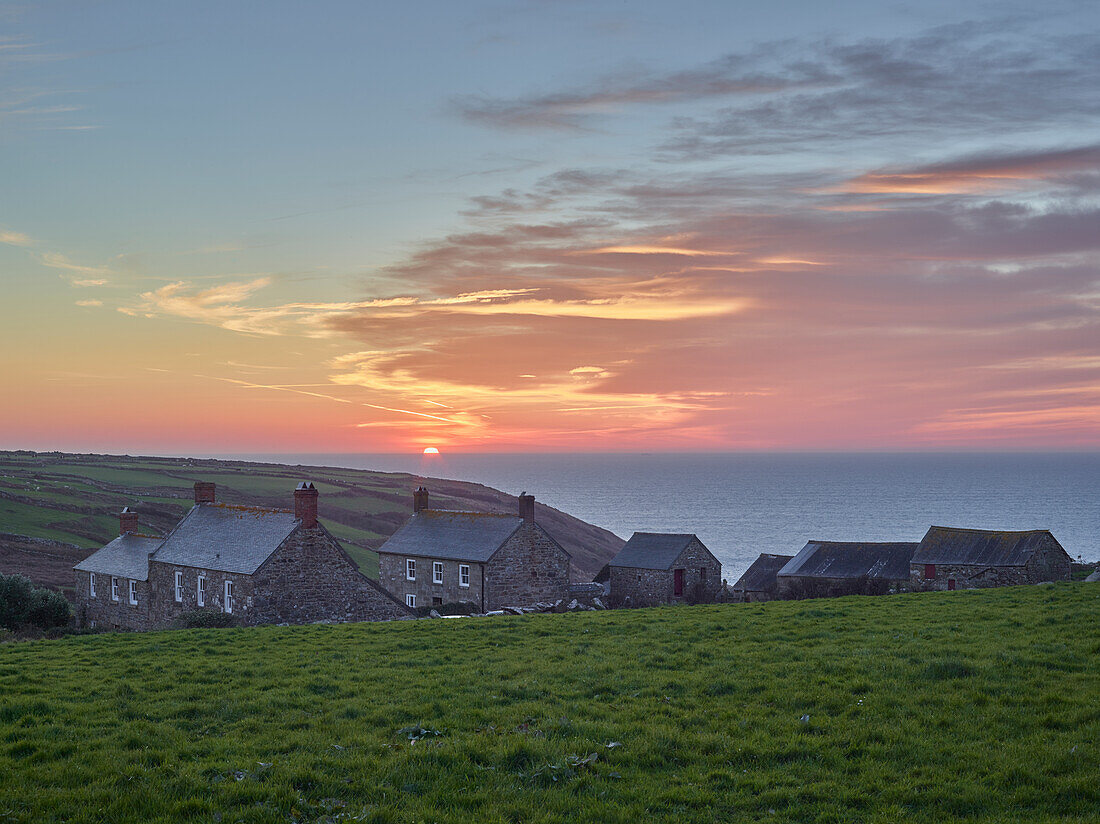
77,274
15,238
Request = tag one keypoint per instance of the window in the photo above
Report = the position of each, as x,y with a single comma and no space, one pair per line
929,570
114,588
463,575
437,601
179,587
133,593
437,572
91,585
410,569
228,605
200,591
702,573
410,600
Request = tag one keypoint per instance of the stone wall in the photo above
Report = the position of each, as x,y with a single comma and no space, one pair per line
104,613
165,611
391,574
794,587
529,568
645,587
311,578
1050,564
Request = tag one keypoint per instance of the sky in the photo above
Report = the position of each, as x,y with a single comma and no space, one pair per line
549,225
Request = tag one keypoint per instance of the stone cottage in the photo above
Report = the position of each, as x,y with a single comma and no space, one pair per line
262,566
830,568
952,558
489,560
759,581
662,568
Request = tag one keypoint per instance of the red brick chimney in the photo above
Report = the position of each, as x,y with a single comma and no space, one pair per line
420,499
204,492
127,521
527,507
305,504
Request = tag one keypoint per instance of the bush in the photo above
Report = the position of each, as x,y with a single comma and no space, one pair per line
22,604
207,617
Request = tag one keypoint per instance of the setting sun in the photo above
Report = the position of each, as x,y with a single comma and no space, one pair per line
431,450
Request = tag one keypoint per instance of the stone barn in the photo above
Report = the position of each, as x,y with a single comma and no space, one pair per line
825,569
486,559
262,566
759,581
952,558
663,568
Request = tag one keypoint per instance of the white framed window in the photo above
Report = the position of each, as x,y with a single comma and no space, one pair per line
437,572
91,585
133,593
200,591
114,588
410,600
410,569
179,587
463,575
228,604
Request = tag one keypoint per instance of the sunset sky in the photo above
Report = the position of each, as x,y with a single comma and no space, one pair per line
520,226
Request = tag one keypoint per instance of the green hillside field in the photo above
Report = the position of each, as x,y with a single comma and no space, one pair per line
964,706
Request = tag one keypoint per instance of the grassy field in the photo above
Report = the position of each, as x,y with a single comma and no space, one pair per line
974,706
75,499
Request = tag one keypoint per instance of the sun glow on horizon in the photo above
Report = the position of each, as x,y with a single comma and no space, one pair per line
430,450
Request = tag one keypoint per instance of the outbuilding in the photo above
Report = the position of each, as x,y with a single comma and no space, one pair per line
955,558
662,568
759,581
829,568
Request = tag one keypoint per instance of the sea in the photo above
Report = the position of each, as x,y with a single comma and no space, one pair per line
742,504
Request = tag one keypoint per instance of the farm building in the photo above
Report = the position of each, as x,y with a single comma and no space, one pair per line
951,558
486,559
759,581
262,566
829,568
662,568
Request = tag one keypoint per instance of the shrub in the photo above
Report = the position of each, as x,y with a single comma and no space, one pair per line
22,604
207,617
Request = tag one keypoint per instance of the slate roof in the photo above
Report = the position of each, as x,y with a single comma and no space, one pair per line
458,536
227,538
651,550
127,556
835,559
760,576
981,547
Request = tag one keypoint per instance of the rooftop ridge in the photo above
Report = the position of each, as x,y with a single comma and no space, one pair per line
990,531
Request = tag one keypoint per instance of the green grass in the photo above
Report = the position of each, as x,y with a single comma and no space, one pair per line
973,706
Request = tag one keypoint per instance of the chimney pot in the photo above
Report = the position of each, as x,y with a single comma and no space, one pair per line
527,507
204,492
127,521
305,504
420,499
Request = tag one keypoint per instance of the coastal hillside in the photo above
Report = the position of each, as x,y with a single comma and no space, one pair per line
55,507
969,706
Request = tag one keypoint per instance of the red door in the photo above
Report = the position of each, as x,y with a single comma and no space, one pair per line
677,582
950,583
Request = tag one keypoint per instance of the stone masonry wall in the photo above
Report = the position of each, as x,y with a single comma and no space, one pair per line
165,611
108,614
310,578
391,574
645,587
529,568
1051,564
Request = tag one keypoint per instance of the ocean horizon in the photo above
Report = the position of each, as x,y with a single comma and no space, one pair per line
742,504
